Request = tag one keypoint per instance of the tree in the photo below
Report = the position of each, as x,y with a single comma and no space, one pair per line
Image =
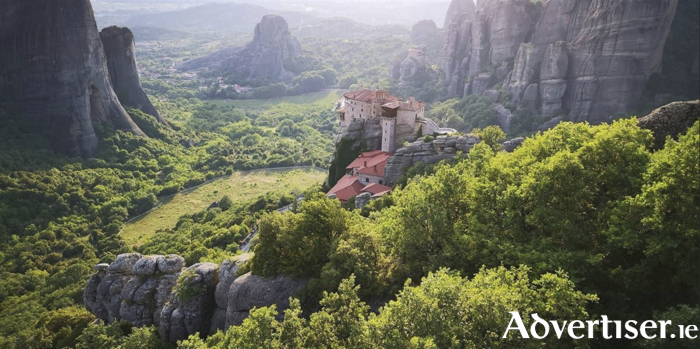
491,135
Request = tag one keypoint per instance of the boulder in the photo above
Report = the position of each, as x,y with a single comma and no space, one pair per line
251,291
146,266
512,144
170,264
362,200
124,263
671,120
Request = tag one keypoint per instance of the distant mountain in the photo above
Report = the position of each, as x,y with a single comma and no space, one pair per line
220,18
344,28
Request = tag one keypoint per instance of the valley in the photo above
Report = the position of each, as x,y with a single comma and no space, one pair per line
346,173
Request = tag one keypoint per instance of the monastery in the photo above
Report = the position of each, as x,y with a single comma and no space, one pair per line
393,113
366,173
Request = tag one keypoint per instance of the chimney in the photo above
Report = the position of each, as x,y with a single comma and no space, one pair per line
375,168
365,163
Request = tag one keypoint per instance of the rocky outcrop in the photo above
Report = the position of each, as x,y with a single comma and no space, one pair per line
191,304
264,57
120,51
251,291
133,288
587,59
671,120
459,11
53,71
511,145
202,298
423,32
228,272
362,200
429,153
368,134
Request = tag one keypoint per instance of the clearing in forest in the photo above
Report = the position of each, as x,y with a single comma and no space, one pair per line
240,186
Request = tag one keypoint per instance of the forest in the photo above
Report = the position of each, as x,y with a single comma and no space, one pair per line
581,220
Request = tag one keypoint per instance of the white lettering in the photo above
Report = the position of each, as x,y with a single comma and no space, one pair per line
618,329
591,325
647,325
575,325
558,330
691,328
631,329
605,326
533,328
662,326
515,316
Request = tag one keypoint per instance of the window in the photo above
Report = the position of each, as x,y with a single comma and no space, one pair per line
381,181
366,180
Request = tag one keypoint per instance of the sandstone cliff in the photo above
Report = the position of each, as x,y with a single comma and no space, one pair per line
120,51
53,71
160,291
588,59
262,58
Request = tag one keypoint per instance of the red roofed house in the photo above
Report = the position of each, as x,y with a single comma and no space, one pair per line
364,175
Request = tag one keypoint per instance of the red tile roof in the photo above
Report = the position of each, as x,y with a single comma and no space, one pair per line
371,96
346,188
371,163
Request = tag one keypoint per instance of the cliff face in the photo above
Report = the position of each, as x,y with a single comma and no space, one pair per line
587,59
263,57
53,71
160,291
120,51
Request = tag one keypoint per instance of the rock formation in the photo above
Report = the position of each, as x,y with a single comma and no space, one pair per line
412,65
251,291
202,298
120,51
588,59
264,57
54,72
228,272
423,32
457,10
429,153
191,305
671,120
368,134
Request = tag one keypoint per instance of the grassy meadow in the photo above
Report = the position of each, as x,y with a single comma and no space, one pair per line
240,186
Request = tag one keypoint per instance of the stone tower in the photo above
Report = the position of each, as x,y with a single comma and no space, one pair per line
388,133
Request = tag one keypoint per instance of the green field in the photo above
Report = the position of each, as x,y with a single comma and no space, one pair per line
324,97
241,186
